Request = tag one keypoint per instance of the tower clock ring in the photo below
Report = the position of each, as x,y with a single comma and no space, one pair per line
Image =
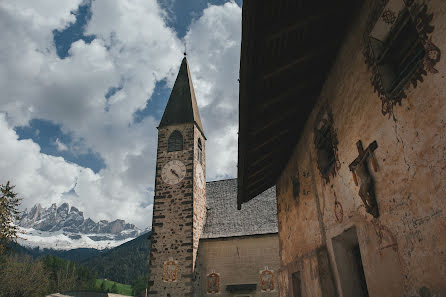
173,172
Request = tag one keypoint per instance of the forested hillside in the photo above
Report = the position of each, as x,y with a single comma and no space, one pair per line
125,263
76,255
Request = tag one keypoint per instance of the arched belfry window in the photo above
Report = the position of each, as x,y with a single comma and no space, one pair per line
175,142
200,151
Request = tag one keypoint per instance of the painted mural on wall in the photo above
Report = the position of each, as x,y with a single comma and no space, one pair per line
388,27
266,280
338,210
386,239
326,143
170,270
213,283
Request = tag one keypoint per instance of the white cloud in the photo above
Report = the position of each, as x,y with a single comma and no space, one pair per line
214,43
37,176
133,50
60,145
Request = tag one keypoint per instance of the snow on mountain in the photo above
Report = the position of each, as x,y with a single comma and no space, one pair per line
60,240
65,228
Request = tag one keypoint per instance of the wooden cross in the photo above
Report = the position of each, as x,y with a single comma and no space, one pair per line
361,154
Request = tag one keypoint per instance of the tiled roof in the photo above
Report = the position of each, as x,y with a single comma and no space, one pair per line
258,216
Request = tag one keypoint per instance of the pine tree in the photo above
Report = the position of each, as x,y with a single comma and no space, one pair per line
8,213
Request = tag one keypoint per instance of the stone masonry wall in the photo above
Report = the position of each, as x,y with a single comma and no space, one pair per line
172,227
403,251
199,193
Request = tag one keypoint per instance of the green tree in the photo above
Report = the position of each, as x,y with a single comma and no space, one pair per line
139,286
65,275
21,276
8,213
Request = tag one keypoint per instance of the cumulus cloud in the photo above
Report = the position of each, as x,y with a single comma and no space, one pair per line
38,177
214,43
133,49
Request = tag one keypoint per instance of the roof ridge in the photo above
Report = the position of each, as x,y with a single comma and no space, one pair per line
220,180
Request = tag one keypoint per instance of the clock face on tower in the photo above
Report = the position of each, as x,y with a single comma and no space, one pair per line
199,175
173,172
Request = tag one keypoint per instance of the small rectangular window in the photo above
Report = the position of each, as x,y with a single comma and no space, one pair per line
398,51
200,151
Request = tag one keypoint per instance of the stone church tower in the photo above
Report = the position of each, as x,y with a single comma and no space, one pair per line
179,209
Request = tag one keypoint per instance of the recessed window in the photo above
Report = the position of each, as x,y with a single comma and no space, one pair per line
200,151
175,142
397,49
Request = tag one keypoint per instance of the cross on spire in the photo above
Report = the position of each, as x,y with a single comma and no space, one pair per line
185,48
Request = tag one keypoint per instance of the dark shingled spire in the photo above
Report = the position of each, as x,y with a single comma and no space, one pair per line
182,106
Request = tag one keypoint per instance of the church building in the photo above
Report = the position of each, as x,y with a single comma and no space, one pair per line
343,109
200,244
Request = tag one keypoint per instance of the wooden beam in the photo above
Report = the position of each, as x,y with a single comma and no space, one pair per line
310,55
279,29
259,186
270,163
285,113
269,140
288,94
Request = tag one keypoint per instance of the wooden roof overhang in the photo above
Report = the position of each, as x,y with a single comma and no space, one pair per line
288,48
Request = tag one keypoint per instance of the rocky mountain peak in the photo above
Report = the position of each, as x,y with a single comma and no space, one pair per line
71,221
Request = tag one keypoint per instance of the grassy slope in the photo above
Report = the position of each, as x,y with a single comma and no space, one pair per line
122,289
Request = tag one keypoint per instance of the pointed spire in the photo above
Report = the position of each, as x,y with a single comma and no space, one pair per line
182,106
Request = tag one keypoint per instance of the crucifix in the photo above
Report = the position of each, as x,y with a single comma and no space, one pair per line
359,168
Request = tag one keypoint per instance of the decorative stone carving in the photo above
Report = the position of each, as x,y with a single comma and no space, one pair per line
359,168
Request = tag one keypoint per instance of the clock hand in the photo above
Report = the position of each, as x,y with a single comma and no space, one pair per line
173,171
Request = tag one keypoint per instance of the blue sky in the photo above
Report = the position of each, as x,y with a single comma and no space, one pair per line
84,85
45,133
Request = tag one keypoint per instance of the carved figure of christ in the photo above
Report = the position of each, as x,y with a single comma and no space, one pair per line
359,168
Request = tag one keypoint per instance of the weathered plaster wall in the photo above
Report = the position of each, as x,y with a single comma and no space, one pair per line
238,260
403,250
